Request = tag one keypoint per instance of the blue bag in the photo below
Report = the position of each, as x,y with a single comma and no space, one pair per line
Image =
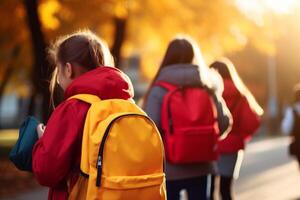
21,153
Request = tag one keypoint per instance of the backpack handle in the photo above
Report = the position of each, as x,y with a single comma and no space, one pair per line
88,98
167,86
171,86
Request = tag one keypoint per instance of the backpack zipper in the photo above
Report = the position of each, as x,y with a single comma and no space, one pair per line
99,163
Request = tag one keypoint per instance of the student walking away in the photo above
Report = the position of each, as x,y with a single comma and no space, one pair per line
246,114
290,124
185,104
97,143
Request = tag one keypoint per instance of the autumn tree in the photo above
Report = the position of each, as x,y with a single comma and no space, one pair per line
13,45
129,26
40,72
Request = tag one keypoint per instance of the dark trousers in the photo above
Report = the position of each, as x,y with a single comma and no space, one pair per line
225,187
196,188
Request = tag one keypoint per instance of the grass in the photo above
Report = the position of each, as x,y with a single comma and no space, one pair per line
12,180
8,137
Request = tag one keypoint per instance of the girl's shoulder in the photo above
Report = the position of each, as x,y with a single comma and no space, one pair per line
71,106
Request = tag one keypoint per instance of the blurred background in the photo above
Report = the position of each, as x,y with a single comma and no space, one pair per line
261,37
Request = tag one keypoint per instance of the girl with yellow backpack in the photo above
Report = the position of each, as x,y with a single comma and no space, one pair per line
98,144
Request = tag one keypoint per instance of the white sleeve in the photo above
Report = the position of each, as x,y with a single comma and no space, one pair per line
288,121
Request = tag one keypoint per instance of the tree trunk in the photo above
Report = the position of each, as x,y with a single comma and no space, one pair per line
7,74
119,37
40,71
9,69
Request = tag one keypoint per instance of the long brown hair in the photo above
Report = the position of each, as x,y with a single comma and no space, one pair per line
82,48
227,70
184,50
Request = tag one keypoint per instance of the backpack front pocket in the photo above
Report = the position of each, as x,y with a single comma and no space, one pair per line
192,145
146,187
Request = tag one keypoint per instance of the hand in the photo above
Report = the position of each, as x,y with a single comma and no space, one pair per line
40,129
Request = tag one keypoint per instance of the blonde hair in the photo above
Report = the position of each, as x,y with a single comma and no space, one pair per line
82,48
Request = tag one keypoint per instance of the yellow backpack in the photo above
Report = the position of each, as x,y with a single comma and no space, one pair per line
122,155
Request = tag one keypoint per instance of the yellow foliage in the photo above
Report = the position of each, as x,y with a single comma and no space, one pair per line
220,27
154,24
23,90
47,13
265,46
121,9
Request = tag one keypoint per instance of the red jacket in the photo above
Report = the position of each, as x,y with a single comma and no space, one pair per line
56,156
245,120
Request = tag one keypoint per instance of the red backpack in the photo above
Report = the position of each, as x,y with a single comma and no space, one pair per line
189,123
248,121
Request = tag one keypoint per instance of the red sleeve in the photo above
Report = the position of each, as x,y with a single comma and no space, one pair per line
56,152
249,121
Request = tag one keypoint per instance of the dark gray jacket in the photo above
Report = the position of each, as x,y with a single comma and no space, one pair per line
183,74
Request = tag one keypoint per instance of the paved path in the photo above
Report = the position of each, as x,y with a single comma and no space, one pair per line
267,173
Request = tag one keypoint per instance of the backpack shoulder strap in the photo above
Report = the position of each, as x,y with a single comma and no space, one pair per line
88,98
166,85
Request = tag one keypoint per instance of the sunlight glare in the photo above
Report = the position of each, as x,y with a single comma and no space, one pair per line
256,9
